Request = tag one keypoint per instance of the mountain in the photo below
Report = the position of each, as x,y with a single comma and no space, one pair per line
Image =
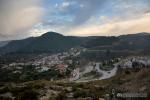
52,42
15,45
3,43
135,37
139,41
101,41
48,42
124,42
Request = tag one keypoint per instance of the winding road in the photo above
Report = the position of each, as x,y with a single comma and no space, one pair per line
106,74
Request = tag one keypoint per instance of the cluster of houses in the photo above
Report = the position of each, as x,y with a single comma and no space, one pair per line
56,61
75,74
134,62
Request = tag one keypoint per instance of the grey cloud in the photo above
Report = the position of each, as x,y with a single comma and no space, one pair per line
92,8
17,16
79,10
88,8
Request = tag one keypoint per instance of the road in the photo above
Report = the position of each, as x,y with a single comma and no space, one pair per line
106,74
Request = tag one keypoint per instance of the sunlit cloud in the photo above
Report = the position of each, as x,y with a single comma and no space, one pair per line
17,16
115,27
20,18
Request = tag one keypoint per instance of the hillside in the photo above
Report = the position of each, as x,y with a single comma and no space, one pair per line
123,82
91,70
52,42
3,43
48,42
123,42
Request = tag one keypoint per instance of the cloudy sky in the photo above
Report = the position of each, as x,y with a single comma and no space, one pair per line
23,18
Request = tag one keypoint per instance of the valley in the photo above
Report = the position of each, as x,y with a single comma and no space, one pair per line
88,70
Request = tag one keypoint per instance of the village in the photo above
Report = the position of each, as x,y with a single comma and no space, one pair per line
60,62
63,64
104,70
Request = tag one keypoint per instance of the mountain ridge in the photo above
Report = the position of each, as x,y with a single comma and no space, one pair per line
48,42
53,42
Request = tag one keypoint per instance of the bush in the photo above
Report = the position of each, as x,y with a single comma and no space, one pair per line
61,96
5,98
28,95
81,93
127,72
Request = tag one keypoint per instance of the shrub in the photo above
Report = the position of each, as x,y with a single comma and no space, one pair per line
81,93
28,95
127,72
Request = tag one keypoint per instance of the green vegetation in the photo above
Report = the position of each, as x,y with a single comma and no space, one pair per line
101,41
49,42
34,90
27,95
93,73
29,73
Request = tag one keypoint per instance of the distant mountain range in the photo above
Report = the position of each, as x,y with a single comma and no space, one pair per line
49,42
140,41
52,42
3,43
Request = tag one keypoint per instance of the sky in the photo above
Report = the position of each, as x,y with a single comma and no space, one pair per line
24,18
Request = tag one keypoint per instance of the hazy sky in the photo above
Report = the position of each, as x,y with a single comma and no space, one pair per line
24,18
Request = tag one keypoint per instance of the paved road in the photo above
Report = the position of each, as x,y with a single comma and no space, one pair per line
106,74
